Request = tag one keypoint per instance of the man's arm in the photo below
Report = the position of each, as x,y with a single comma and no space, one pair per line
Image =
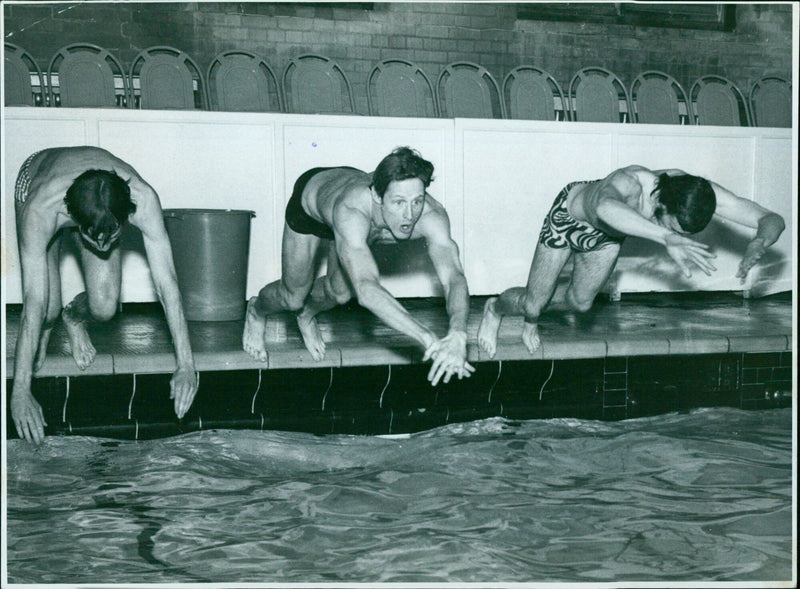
351,228
150,221
609,206
768,225
34,233
451,350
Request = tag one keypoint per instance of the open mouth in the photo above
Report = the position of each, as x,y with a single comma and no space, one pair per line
405,228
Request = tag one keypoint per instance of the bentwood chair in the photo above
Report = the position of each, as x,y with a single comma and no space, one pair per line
85,75
531,93
771,102
166,78
242,81
315,84
717,101
468,90
400,88
598,95
22,78
658,98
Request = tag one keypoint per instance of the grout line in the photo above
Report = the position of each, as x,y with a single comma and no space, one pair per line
499,372
552,367
258,388
330,384
64,410
386,386
133,394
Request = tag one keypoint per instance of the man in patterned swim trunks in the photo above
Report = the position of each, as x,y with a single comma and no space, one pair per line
86,195
589,221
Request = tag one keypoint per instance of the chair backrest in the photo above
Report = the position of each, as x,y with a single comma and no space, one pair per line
399,88
82,74
717,101
598,95
315,84
771,102
167,78
468,90
243,81
531,93
19,68
658,98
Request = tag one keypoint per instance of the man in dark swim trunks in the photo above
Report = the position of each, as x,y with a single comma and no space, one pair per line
589,221
349,210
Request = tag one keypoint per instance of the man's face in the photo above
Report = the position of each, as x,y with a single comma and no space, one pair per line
101,242
402,206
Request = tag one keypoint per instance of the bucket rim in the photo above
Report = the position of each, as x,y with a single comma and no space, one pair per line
179,212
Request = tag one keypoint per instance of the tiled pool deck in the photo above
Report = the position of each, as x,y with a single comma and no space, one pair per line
137,340
645,354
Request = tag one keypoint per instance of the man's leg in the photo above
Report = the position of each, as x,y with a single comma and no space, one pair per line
53,301
102,275
590,272
529,301
287,294
329,291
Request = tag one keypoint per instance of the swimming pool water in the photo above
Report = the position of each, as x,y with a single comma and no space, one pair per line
705,495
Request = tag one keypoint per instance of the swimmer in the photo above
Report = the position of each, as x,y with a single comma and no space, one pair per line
590,220
86,195
346,210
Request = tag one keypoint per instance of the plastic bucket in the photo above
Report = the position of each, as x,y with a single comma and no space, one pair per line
210,248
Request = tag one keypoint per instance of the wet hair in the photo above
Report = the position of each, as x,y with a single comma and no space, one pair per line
99,201
403,163
690,199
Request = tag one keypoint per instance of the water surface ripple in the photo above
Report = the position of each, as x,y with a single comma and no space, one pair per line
701,496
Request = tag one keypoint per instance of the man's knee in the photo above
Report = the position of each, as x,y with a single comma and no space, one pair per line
579,303
103,306
339,294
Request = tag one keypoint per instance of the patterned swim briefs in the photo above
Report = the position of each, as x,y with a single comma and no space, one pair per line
560,229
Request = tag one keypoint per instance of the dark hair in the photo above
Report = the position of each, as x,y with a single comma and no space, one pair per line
403,163
690,198
99,201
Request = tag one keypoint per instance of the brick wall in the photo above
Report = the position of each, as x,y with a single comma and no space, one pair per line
430,34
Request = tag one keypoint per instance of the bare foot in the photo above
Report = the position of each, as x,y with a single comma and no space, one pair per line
82,349
41,351
487,331
312,336
253,334
530,337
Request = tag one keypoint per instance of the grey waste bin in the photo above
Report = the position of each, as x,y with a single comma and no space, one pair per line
210,248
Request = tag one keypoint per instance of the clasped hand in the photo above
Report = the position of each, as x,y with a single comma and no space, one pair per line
449,356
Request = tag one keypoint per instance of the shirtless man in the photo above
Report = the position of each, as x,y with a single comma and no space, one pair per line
591,219
86,195
348,210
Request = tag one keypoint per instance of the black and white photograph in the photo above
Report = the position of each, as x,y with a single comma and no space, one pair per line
399,294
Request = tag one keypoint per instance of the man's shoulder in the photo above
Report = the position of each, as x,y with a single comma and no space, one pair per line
626,180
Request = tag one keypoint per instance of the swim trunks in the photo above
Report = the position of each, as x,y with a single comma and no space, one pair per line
560,229
296,216
24,180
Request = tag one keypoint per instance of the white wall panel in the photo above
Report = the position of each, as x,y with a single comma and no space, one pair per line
497,178
204,165
774,189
